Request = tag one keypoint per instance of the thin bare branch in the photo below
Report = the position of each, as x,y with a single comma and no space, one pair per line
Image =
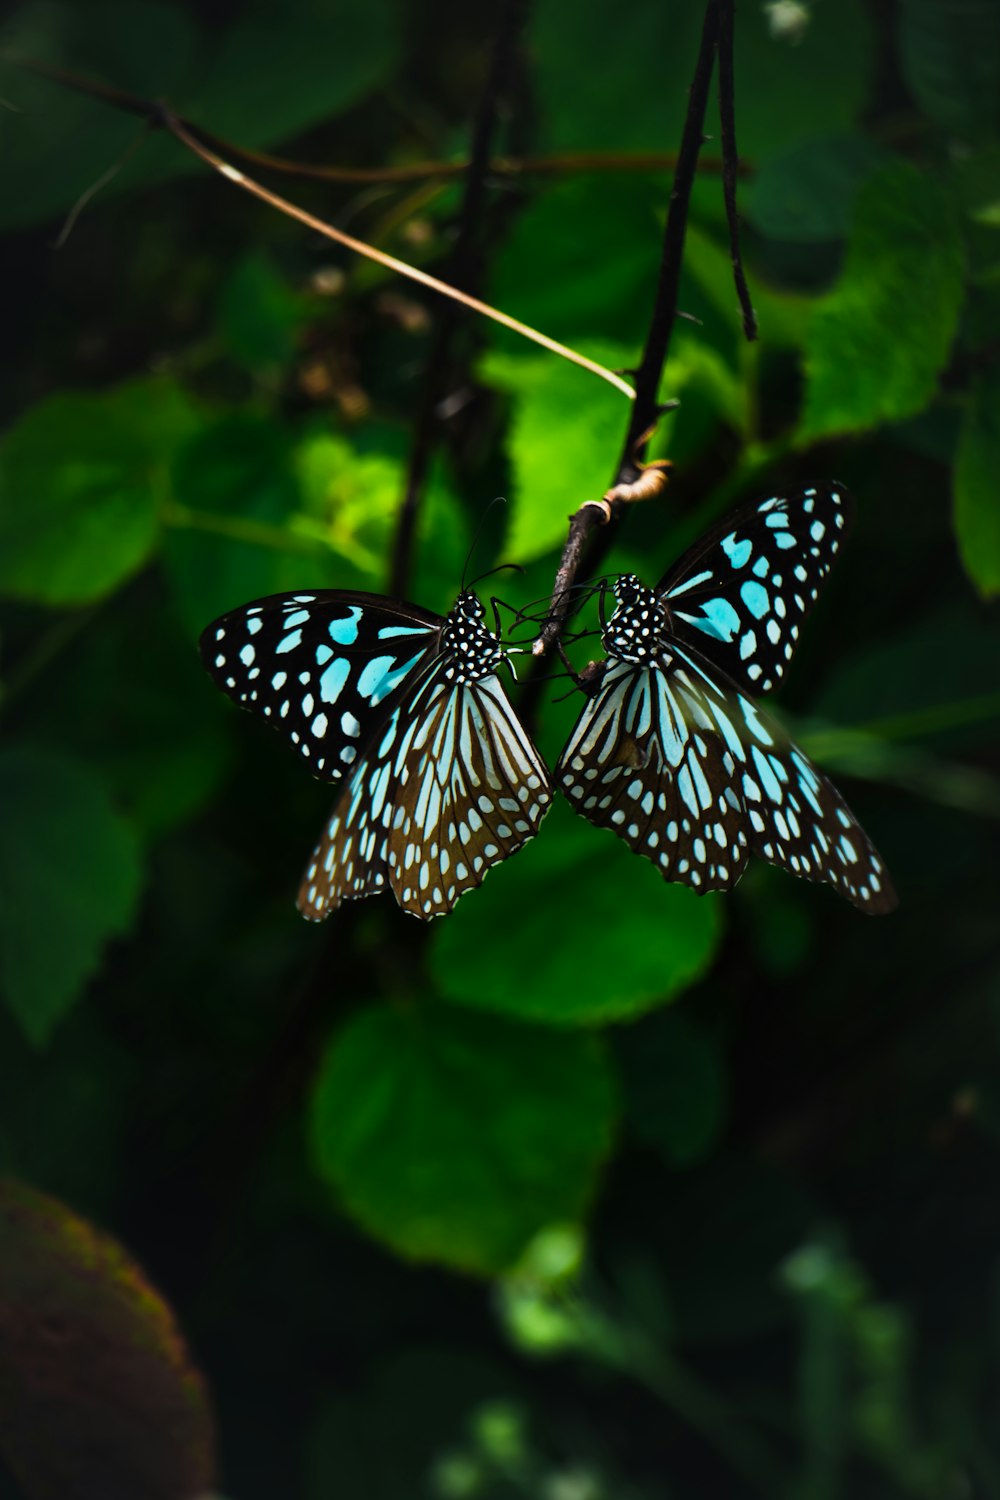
462,272
730,162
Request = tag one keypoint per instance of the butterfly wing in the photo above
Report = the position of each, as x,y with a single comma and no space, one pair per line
323,669
451,786
695,776
740,594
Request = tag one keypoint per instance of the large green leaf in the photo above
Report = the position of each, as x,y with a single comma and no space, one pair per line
977,497
566,430
82,478
454,1137
98,1394
600,937
877,344
69,880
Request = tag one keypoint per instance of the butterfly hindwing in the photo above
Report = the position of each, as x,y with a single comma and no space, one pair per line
453,785
740,594
322,668
649,764
695,776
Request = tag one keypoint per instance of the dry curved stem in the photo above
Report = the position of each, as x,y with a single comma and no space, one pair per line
194,140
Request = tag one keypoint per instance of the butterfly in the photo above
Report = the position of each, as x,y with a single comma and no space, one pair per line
404,710
672,753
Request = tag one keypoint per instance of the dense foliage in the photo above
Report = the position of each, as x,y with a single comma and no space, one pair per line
594,1190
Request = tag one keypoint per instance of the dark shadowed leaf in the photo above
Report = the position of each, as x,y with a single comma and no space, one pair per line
675,1085
807,193
69,880
599,936
950,51
82,479
977,493
98,1395
878,342
456,1137
274,71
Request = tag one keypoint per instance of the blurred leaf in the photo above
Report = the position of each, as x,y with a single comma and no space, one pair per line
82,479
98,1395
281,67
69,881
936,663
259,314
878,342
599,935
807,192
134,701
675,1086
565,433
56,143
540,276
977,497
233,537
950,52
454,1137
277,70
381,1443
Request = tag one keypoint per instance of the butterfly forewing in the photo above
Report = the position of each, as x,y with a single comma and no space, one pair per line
322,668
454,786
440,780
740,594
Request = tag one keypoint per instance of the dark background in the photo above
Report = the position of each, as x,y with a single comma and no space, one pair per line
593,1190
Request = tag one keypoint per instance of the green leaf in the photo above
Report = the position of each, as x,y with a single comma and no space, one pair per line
806,192
878,342
950,52
565,434
98,1393
455,1138
260,315
69,882
977,498
579,958
81,482
674,1086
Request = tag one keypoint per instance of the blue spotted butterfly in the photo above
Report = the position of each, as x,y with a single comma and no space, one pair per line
671,752
404,709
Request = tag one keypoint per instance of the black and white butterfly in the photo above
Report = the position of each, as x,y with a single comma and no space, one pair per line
403,708
671,752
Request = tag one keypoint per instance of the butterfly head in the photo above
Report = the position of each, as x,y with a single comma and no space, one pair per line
635,629
473,649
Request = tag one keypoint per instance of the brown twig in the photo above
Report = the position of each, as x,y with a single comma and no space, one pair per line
633,479
462,272
189,136
565,163
731,161
578,555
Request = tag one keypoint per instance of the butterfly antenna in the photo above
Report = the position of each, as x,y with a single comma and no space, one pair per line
497,500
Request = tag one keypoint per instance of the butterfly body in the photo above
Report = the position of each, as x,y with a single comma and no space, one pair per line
673,754
404,709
